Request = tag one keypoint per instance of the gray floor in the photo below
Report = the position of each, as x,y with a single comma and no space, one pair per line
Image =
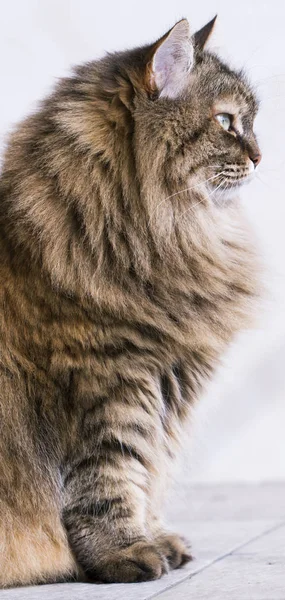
238,539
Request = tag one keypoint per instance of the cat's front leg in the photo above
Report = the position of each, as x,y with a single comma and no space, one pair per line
108,494
106,501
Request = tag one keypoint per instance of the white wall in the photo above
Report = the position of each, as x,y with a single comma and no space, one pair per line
239,426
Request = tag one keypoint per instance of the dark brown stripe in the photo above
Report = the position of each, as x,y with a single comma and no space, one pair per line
107,448
113,507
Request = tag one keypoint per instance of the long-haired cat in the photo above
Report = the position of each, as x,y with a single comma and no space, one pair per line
125,270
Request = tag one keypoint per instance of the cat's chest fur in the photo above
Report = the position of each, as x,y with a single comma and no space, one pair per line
181,321
169,330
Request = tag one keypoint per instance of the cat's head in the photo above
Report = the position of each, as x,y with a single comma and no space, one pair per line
193,115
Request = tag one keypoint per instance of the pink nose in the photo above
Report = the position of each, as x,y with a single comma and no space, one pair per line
256,158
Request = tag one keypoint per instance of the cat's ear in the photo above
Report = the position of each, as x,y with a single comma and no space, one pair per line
201,37
171,61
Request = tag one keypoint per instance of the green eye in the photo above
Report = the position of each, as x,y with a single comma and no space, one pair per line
225,121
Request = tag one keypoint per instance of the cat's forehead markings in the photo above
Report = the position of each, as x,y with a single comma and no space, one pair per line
229,106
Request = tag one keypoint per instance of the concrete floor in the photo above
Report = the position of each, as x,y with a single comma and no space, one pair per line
238,540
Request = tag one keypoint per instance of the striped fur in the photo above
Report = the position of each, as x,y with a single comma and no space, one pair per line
118,295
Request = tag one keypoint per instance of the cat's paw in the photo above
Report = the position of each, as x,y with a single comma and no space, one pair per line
174,549
142,561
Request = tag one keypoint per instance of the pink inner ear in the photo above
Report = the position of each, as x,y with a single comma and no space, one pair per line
163,66
173,60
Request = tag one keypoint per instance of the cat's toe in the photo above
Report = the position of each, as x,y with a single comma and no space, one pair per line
174,548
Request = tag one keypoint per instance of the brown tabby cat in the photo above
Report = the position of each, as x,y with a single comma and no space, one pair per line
123,278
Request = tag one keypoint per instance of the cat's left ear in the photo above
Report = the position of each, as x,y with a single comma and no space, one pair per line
201,37
171,62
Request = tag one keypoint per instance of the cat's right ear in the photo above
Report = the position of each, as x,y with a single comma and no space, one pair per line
201,37
171,62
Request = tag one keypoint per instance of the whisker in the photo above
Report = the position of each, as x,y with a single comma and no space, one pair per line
263,182
190,208
196,204
215,189
264,170
190,188
214,167
184,190
227,186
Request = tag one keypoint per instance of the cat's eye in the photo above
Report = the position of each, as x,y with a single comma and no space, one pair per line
225,121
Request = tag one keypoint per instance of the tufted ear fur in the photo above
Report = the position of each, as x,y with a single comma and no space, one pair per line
171,61
201,37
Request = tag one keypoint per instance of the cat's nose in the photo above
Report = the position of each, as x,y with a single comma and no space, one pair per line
255,158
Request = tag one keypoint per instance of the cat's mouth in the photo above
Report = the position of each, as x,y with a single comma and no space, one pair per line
231,178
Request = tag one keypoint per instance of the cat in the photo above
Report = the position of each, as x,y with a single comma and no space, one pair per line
126,269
